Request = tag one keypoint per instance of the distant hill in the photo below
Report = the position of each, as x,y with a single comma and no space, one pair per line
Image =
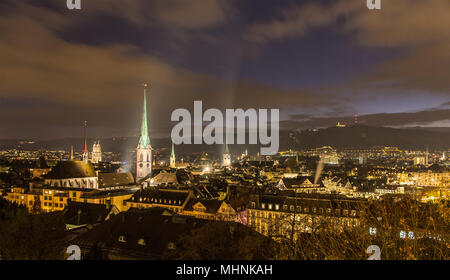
355,136
362,136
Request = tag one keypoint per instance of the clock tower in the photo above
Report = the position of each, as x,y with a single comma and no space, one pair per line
144,149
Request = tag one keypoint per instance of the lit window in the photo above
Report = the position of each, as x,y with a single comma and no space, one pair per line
270,206
403,234
411,235
277,207
373,231
122,239
171,246
141,242
263,205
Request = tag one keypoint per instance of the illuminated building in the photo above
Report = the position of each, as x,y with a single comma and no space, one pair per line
182,202
112,191
144,148
174,200
74,181
96,152
72,174
283,215
419,160
85,151
226,157
172,157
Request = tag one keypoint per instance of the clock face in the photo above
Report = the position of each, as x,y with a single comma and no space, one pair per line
140,165
148,164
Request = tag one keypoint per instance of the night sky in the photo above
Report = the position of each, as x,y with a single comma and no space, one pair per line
318,61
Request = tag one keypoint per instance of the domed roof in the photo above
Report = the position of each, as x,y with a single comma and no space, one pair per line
71,169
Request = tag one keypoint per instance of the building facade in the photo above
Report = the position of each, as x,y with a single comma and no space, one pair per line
96,152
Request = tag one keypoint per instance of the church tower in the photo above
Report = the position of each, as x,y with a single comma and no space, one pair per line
172,157
96,152
85,151
226,157
144,149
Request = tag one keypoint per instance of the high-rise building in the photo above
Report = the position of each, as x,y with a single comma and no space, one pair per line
144,149
96,152
226,157
172,157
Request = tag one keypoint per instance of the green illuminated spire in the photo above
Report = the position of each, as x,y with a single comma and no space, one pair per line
173,151
144,141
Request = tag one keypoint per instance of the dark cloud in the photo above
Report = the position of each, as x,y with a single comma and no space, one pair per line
415,27
53,80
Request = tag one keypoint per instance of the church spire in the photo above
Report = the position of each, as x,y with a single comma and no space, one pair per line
85,151
173,151
144,141
172,157
144,149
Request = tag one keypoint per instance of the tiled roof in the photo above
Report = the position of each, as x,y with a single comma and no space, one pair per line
140,234
115,179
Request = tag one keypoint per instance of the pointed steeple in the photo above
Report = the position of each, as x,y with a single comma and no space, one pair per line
172,157
144,149
173,151
144,141
226,157
85,151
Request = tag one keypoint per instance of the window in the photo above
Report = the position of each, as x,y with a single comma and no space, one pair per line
353,213
277,207
270,206
402,234
345,212
285,207
141,242
314,209
305,210
291,208
171,246
263,205
122,238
